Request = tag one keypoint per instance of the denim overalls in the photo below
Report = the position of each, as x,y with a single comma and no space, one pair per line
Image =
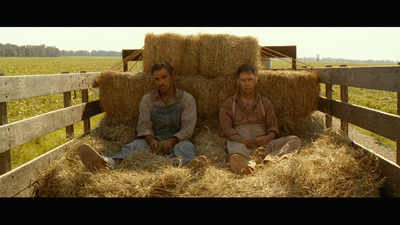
166,122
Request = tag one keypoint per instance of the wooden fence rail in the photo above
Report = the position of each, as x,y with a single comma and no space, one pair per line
28,86
385,78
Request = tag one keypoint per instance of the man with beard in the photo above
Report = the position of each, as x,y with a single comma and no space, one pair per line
167,118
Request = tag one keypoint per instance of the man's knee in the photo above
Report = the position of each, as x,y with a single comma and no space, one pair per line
236,147
184,146
137,144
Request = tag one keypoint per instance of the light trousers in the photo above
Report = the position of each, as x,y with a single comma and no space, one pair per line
183,149
275,150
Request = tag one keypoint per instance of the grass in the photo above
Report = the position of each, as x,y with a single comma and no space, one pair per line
26,108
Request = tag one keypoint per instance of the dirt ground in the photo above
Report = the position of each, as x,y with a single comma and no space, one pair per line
365,140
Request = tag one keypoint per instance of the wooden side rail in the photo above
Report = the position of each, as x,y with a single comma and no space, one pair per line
385,78
381,123
28,86
20,132
20,181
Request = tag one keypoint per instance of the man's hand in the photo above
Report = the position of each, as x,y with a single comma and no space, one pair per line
247,142
153,143
263,140
168,144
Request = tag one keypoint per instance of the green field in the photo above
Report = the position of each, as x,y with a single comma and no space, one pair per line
25,108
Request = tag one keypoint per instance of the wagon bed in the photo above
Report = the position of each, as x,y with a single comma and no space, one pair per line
20,181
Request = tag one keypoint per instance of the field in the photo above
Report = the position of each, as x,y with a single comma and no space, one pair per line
22,109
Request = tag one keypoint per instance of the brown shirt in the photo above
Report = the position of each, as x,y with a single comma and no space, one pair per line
244,115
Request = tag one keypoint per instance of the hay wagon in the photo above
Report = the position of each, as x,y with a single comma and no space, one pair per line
20,182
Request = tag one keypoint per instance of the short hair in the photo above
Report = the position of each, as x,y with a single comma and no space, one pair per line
160,65
246,68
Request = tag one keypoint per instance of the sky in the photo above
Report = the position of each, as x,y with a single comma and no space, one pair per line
359,43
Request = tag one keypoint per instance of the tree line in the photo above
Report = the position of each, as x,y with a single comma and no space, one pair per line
11,50
328,59
87,53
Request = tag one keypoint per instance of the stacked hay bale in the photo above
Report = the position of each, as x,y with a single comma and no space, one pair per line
204,54
205,65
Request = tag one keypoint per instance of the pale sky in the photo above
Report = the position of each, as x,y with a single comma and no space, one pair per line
363,43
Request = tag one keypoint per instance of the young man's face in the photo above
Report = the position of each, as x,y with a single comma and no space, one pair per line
247,82
163,80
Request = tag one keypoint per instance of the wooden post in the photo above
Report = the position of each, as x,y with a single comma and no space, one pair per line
5,157
85,98
126,67
69,130
294,66
344,97
328,115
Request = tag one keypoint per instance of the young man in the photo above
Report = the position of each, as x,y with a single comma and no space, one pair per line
167,118
248,121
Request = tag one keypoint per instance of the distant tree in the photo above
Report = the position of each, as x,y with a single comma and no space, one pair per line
11,50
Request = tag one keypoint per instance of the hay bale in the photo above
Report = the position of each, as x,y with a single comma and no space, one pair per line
120,95
169,46
206,54
294,94
191,58
208,93
222,54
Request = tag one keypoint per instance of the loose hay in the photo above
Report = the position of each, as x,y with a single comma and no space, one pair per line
328,167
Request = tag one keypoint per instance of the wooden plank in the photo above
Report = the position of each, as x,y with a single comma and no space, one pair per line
20,132
385,78
69,130
19,182
344,97
128,52
381,123
85,98
28,86
289,50
5,157
328,115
